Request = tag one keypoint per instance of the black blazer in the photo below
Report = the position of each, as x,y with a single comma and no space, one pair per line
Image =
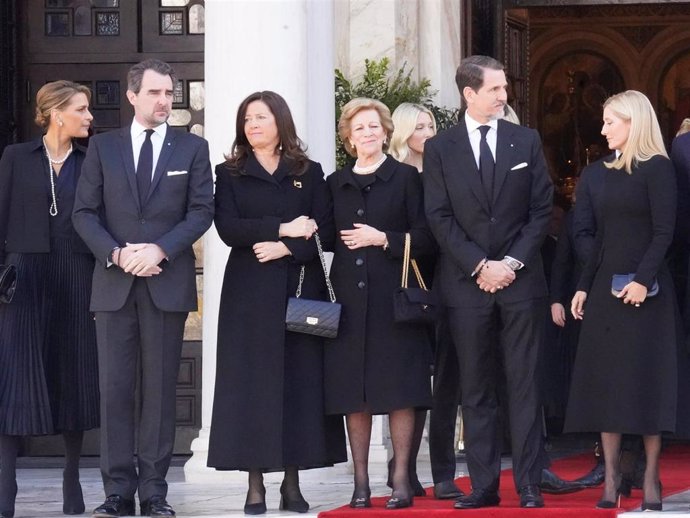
25,200
468,227
177,212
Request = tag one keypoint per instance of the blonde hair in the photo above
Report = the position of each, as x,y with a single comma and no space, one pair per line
510,115
355,106
644,137
684,127
56,96
405,121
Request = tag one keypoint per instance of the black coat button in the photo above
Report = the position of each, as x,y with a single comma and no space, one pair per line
493,220
359,261
361,285
360,212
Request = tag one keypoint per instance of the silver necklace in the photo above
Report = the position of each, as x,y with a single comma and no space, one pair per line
53,211
369,169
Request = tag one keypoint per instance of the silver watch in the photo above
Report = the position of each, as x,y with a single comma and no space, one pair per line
513,264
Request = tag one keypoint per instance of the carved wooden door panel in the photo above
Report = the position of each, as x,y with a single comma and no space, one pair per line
94,42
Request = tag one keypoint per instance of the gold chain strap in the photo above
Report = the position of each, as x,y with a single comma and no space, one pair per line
406,265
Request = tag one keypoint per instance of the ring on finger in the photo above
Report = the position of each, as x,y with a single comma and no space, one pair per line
637,304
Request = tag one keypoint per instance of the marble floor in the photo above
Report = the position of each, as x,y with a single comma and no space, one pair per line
40,492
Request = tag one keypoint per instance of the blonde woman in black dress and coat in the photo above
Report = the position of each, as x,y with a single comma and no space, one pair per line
625,378
48,363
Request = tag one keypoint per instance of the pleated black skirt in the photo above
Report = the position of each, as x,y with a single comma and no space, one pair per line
48,357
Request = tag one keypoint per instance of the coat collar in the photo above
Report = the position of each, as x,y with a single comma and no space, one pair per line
384,172
252,167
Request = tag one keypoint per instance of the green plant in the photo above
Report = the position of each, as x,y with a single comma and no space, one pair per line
390,89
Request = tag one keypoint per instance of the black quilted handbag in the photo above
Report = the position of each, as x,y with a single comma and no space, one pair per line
413,305
8,282
313,317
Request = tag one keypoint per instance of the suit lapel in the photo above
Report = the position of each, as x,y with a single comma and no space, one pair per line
467,163
128,161
504,151
166,153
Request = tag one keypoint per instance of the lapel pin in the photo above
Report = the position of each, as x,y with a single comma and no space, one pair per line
297,184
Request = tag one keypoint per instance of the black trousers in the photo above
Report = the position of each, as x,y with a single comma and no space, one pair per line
513,331
138,345
446,399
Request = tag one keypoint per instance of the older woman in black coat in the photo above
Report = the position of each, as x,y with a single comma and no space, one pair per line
268,406
375,366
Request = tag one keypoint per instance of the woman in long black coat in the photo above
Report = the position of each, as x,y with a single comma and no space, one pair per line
48,358
375,366
625,378
268,410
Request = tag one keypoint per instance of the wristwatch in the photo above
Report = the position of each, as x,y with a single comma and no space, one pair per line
513,264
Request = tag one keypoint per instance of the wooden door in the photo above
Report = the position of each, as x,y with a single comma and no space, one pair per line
94,42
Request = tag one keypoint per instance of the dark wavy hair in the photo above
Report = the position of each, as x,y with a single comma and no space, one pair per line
289,146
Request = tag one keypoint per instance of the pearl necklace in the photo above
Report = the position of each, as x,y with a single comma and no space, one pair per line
370,168
53,211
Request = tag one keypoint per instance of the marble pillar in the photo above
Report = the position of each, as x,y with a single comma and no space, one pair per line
280,45
424,35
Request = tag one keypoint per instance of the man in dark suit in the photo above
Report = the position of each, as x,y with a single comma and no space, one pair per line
144,197
488,203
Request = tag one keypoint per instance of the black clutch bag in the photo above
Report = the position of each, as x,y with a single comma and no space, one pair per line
8,282
313,317
621,280
413,305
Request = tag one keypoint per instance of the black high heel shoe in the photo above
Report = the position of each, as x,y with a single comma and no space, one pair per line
294,503
399,502
257,507
608,504
360,499
415,484
7,497
653,506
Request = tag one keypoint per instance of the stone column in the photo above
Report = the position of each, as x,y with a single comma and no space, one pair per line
280,45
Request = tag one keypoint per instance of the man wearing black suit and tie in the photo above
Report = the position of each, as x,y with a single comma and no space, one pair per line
144,197
488,202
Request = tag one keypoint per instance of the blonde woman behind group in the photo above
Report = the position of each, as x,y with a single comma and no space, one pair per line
413,124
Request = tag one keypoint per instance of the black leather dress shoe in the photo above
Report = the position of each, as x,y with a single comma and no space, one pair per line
555,485
594,478
114,506
156,506
478,498
530,497
447,490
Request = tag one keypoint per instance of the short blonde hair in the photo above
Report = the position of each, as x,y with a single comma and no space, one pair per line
355,106
56,96
644,139
405,121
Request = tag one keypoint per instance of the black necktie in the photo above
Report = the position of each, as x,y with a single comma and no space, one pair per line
145,167
486,163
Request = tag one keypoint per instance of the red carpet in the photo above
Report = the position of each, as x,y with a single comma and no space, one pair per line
675,477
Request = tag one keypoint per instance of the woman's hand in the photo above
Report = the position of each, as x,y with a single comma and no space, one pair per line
302,226
633,293
270,250
558,314
362,236
577,307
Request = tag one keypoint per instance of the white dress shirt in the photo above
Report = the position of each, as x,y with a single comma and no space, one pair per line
475,135
138,133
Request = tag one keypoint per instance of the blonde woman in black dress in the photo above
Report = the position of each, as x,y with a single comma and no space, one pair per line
48,364
625,378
